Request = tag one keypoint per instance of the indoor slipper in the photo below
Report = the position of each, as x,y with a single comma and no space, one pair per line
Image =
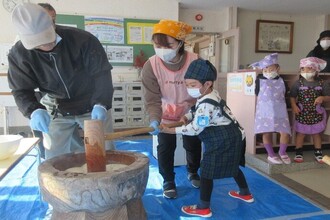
285,158
274,160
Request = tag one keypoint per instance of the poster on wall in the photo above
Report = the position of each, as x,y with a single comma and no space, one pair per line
139,33
119,54
108,30
235,82
249,83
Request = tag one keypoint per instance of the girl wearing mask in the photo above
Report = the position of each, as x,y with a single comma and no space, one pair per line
167,100
307,96
322,50
271,110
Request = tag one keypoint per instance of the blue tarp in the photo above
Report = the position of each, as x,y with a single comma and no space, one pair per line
20,198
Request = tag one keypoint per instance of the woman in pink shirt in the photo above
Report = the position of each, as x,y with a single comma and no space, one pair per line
167,100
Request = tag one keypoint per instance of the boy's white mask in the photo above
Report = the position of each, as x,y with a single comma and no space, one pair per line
194,92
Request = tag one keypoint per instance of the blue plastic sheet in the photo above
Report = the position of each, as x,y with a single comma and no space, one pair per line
19,192
20,198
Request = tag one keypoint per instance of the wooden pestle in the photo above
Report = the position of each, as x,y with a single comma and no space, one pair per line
115,135
94,140
94,145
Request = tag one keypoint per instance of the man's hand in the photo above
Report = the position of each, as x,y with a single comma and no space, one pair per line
40,120
99,112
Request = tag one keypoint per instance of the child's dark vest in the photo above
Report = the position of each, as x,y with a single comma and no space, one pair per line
226,112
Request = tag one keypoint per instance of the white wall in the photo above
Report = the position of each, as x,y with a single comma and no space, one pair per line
306,32
144,9
213,21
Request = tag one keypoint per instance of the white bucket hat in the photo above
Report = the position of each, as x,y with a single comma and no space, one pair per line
34,25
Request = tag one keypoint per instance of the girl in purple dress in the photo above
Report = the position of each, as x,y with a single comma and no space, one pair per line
271,110
307,95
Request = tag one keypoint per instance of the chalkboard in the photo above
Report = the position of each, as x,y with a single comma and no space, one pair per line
146,48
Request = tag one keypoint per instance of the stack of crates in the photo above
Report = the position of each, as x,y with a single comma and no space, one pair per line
119,106
128,107
136,116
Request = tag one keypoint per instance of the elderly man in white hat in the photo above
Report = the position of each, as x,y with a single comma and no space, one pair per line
70,66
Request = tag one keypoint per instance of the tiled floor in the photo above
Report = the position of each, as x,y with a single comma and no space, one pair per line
309,179
313,179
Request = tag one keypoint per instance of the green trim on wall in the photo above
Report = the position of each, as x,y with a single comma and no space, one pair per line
79,21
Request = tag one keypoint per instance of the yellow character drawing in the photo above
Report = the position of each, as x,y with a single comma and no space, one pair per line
249,80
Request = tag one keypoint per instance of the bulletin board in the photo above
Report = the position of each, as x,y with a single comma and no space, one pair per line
132,40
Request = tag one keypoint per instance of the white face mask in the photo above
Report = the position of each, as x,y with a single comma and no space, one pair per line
166,54
194,92
325,44
308,76
270,75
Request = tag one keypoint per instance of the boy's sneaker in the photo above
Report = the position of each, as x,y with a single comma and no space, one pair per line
318,155
246,198
169,190
194,179
299,158
193,210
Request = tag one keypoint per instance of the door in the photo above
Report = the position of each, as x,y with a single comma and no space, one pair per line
226,58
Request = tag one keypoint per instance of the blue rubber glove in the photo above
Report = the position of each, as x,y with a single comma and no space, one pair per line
154,125
40,120
99,112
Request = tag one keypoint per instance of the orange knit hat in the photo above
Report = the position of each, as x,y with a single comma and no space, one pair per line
176,29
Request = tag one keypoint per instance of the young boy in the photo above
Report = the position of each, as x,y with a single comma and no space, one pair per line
221,134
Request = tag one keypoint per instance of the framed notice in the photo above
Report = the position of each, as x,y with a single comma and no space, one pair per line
274,36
